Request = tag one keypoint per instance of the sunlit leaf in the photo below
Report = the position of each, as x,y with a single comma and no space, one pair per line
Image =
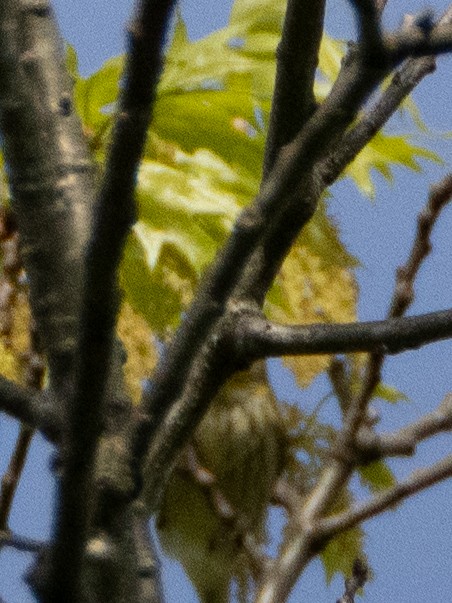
341,552
95,95
72,62
376,476
389,393
314,285
382,154
157,294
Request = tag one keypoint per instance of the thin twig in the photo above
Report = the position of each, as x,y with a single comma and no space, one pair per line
20,543
359,577
440,196
10,480
418,481
371,446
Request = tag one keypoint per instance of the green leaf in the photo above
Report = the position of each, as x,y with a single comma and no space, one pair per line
72,61
383,152
259,14
190,205
94,96
340,553
389,393
376,476
225,124
156,294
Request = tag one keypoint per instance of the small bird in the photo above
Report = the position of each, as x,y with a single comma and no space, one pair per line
240,448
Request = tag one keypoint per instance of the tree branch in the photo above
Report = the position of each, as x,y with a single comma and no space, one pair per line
417,41
20,543
419,480
96,363
34,409
355,582
370,38
49,169
297,58
372,446
261,338
440,195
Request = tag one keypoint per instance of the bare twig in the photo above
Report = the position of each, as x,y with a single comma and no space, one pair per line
359,577
440,196
418,481
10,480
20,543
372,446
402,297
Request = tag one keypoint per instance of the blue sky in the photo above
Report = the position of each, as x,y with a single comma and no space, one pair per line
409,549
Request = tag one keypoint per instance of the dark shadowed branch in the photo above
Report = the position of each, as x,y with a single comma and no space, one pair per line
357,580
296,63
261,338
20,543
115,215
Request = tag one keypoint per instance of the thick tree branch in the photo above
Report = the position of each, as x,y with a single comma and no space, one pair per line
115,214
51,175
297,57
368,17
254,337
34,409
